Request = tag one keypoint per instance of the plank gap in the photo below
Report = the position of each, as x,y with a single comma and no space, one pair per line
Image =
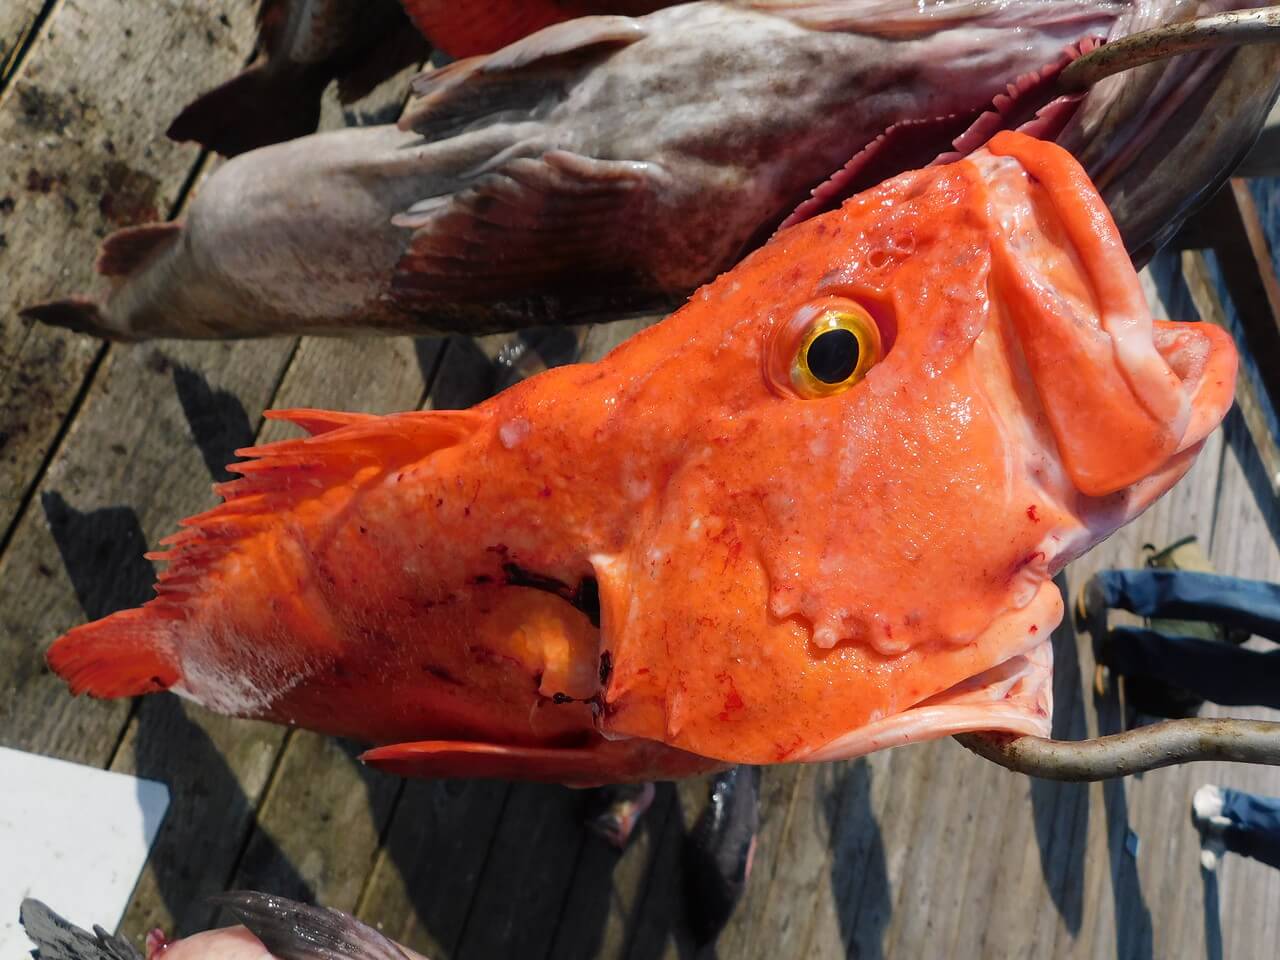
18,55
254,826
484,865
63,429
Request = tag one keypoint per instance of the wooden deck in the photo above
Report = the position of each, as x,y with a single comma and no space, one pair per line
919,852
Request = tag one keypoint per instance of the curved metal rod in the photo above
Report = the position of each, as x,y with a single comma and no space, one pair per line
1221,30
1118,755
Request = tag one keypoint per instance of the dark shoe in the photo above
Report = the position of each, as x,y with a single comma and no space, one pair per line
1091,618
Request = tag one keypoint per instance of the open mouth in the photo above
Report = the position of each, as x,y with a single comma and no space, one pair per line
1033,104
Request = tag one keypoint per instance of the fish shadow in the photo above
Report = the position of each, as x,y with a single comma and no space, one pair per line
218,422
102,551
1059,810
210,818
1255,473
497,869
859,871
1134,934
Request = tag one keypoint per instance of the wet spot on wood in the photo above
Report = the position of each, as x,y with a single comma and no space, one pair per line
128,195
44,111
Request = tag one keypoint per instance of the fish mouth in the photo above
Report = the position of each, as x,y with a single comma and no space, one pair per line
1014,696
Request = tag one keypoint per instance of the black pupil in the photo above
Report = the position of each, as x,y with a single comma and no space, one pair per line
833,356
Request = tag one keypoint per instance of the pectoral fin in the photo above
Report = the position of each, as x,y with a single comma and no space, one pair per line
523,226
296,931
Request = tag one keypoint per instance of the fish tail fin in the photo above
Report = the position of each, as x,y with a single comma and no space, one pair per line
78,314
257,108
122,254
58,939
124,655
296,931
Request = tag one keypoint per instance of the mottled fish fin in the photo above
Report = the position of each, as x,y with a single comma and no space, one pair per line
263,105
465,28
57,939
526,225
296,931
79,314
515,78
131,652
127,250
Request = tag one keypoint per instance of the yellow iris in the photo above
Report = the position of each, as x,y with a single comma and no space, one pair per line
836,352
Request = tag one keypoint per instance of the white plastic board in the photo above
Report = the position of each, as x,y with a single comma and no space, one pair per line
75,837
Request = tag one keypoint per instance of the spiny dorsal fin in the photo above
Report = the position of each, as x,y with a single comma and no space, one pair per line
512,78
58,939
296,931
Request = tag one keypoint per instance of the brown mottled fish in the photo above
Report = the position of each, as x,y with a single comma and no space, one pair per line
610,164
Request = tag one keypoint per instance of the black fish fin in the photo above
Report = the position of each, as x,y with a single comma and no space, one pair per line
525,226
514,78
79,314
261,106
57,939
296,931
127,250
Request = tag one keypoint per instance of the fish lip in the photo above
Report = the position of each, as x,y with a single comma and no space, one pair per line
1012,695
1026,710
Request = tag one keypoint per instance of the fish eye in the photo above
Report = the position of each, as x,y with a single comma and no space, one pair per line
839,346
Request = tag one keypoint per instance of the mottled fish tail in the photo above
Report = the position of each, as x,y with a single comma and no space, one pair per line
57,939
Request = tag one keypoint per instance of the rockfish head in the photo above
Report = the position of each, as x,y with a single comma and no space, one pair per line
851,466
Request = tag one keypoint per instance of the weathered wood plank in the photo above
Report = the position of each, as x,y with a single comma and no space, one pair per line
427,869
1244,257
217,770
78,158
319,825
19,19
608,888
127,472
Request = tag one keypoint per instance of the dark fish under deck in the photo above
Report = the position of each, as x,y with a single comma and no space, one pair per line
923,851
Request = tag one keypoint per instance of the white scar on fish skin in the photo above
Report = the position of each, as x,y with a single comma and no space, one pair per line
514,432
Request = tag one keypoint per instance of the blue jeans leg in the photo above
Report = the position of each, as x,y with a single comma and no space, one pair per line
1252,605
1219,672
1255,826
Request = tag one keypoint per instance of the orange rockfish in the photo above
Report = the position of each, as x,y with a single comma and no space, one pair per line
814,513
